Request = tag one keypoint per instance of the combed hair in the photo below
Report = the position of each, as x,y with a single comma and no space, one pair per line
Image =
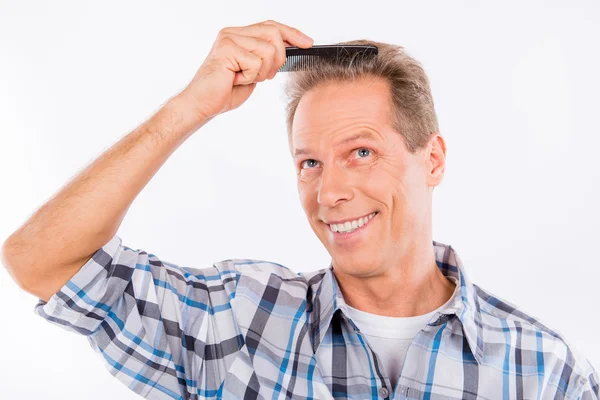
413,113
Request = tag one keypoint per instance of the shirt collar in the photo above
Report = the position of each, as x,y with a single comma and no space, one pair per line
326,299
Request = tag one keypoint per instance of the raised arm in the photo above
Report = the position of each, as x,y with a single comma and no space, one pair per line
62,235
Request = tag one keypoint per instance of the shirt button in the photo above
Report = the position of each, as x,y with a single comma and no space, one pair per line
383,392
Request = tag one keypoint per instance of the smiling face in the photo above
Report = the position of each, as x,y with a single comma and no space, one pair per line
352,163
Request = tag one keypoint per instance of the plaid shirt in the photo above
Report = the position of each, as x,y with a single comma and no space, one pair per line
255,330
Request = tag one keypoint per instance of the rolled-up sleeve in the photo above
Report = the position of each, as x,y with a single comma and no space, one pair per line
591,388
145,317
83,303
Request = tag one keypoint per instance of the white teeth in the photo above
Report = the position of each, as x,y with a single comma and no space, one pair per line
351,225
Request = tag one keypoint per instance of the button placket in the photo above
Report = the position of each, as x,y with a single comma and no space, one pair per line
383,392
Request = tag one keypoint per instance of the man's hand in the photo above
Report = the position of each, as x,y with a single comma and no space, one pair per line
63,234
239,58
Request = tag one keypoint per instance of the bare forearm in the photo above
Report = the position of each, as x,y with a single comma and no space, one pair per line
66,231
88,210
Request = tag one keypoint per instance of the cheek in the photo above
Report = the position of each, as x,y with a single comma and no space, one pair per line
307,199
410,197
396,187
385,182
406,175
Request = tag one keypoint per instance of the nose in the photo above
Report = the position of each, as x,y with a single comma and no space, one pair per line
335,186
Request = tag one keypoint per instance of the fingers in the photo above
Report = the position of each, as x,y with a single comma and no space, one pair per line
269,54
277,34
291,35
245,64
270,30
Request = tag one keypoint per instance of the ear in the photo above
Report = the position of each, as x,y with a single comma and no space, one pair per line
436,163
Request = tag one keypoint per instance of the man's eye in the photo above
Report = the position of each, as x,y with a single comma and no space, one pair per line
305,162
363,150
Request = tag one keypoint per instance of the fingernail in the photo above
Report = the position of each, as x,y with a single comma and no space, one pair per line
306,38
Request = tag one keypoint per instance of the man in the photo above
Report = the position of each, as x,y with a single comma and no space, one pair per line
394,315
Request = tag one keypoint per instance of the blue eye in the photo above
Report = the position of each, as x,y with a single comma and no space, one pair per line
308,161
367,150
361,152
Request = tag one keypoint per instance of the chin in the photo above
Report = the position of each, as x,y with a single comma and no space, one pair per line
349,265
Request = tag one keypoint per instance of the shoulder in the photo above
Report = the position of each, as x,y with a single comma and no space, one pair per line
256,267
498,312
505,323
268,291
262,273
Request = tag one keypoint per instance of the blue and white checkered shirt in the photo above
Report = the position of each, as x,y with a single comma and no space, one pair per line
250,329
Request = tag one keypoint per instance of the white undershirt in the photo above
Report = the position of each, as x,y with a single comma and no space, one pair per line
389,337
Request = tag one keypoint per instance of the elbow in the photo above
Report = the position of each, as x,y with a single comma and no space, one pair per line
19,273
8,260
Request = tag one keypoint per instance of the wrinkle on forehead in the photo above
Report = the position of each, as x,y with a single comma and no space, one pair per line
331,110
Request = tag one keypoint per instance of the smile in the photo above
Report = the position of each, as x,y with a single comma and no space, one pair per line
350,226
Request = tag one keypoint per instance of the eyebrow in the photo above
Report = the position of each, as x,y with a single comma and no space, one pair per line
351,138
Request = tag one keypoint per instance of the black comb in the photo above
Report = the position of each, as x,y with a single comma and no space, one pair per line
302,59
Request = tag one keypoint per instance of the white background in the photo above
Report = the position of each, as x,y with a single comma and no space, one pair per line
516,89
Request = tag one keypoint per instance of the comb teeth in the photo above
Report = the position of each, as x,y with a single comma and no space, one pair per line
303,59
298,63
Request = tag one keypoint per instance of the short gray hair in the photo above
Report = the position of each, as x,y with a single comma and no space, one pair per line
414,113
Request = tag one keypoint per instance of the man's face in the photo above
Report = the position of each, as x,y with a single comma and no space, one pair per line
356,164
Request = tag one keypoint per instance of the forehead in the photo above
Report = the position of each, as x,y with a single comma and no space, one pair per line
335,110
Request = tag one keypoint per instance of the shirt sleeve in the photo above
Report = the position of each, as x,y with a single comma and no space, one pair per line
591,389
147,318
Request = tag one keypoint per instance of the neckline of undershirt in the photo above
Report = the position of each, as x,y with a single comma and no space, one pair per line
391,327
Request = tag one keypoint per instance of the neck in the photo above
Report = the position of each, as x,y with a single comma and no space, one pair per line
413,285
